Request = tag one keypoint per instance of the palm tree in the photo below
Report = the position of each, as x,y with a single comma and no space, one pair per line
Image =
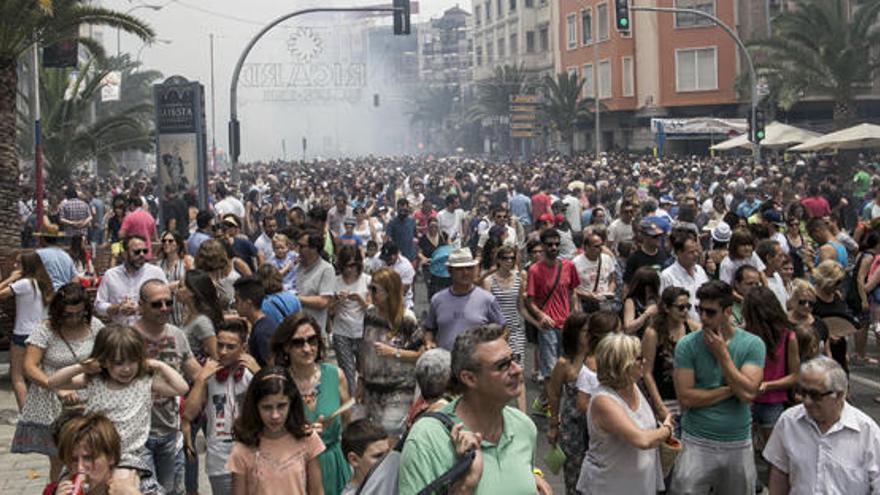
23,23
494,95
432,107
564,107
819,48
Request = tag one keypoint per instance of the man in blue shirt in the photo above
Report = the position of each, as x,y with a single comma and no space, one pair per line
749,205
521,206
402,230
204,219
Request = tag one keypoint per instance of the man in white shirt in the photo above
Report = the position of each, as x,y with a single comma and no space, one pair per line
824,445
621,229
228,203
264,241
596,272
119,292
771,254
573,208
451,220
685,272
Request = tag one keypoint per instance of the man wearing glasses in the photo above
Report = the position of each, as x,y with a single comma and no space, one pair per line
120,287
824,443
167,343
717,374
488,376
596,271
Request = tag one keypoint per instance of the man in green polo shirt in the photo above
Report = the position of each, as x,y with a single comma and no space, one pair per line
489,376
717,374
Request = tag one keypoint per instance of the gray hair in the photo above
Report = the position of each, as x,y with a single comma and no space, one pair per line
463,351
432,372
835,377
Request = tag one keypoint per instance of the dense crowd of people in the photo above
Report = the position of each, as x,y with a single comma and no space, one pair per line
678,315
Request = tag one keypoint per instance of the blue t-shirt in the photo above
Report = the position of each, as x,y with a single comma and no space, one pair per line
261,335
279,305
451,315
58,265
731,419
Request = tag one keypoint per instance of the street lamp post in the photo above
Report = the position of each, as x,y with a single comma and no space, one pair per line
751,65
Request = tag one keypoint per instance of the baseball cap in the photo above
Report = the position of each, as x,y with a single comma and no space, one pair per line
650,229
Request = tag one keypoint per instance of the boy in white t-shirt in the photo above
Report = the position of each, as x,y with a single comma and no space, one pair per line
218,392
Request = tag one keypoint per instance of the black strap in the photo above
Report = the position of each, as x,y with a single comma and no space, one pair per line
553,288
598,274
461,466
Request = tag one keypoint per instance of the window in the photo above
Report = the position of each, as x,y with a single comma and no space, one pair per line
478,12
514,45
602,21
478,54
571,31
605,79
587,75
530,4
489,53
691,20
572,72
544,38
696,69
501,48
488,11
626,66
512,6
500,9
586,26
530,42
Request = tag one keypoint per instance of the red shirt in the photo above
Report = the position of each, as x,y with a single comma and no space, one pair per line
422,220
540,205
816,206
541,278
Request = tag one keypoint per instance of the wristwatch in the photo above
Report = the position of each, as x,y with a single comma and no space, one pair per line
397,353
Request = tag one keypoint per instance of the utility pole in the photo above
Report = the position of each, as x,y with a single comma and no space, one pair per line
753,82
213,112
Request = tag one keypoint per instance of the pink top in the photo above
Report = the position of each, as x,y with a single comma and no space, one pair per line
140,222
774,369
277,466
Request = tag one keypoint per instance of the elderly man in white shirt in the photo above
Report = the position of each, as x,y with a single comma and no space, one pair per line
685,272
824,445
119,293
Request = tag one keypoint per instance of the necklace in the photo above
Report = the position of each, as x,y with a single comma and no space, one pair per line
310,387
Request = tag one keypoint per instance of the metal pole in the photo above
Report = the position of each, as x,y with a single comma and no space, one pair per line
213,113
234,126
38,145
739,42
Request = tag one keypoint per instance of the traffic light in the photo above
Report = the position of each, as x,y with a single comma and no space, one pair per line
621,11
401,16
760,121
375,99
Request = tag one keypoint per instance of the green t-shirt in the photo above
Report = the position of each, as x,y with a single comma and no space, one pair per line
862,184
729,420
507,465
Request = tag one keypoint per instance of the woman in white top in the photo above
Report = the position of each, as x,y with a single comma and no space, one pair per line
623,455
32,288
350,302
366,228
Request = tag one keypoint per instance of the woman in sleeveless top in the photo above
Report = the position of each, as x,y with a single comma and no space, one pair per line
174,261
658,348
508,285
623,455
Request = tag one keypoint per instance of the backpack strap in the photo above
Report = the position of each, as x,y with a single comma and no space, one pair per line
461,466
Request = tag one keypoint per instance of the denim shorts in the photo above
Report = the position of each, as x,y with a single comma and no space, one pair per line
20,340
766,415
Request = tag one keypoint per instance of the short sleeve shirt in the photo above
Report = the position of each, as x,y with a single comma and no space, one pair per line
729,420
541,278
278,465
587,380
223,404
317,280
450,314
172,348
29,308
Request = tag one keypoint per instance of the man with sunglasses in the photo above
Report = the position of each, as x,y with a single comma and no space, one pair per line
717,374
488,376
167,343
824,444
120,286
650,251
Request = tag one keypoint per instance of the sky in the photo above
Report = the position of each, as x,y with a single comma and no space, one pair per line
183,29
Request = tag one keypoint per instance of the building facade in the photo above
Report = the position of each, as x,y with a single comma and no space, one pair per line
514,32
445,50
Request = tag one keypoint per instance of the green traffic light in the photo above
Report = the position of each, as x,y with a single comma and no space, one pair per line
624,22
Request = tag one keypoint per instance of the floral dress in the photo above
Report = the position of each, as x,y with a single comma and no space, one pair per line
33,433
389,383
572,436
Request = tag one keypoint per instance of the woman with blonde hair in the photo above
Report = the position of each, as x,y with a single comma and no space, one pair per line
623,455
828,277
812,333
391,345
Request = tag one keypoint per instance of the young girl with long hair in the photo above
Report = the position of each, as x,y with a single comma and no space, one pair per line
200,298
640,303
275,450
120,382
32,288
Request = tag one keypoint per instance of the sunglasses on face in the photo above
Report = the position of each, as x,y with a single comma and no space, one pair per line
814,395
161,303
683,307
168,241
503,365
710,312
139,252
300,342
807,303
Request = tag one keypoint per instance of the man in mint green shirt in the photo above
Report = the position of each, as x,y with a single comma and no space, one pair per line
488,375
717,374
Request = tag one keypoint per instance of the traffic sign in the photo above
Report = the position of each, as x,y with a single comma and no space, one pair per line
522,134
522,125
524,99
523,117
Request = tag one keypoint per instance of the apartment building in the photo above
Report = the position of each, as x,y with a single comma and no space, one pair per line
445,49
514,32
